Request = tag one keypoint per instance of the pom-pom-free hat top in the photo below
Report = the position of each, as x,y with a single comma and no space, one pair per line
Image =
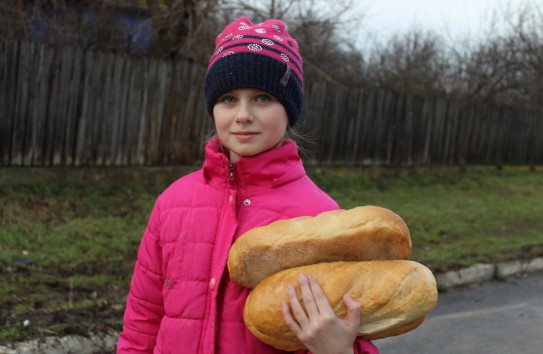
262,56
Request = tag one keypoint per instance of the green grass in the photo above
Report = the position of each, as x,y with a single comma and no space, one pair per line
68,245
67,252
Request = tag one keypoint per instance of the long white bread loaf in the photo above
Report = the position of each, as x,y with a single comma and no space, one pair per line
395,296
358,234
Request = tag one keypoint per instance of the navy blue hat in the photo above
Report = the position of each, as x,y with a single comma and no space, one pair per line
262,56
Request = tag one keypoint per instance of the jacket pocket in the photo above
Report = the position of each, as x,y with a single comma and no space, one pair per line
174,260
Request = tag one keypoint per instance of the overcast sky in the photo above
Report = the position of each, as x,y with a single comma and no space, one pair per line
459,18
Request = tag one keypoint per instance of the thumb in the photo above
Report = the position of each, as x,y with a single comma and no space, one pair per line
353,311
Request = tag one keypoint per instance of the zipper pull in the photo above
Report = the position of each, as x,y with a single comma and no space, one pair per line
232,170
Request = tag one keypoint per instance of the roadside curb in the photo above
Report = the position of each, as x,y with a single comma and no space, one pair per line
96,344
482,273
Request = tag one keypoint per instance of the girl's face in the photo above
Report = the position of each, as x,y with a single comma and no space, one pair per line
249,121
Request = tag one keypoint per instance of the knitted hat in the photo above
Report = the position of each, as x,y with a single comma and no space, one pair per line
262,56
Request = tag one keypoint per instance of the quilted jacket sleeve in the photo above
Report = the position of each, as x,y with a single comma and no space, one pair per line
360,346
144,304
364,346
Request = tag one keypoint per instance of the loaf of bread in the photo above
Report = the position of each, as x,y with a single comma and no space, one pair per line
395,296
358,234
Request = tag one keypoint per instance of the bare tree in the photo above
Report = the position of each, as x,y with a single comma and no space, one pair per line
178,26
525,46
413,62
13,19
63,22
258,10
507,66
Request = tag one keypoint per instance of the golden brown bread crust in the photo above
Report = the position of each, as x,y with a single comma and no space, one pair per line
358,234
395,296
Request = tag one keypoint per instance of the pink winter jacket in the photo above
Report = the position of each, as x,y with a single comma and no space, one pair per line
181,297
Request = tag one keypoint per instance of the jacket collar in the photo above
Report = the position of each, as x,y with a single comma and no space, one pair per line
269,169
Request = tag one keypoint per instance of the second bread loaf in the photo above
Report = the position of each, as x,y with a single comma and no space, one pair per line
395,296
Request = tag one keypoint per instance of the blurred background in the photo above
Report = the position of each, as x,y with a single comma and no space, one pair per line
92,83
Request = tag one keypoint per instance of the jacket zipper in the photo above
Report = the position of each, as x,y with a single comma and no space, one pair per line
204,340
232,170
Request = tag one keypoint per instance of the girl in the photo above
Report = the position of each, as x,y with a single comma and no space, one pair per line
181,298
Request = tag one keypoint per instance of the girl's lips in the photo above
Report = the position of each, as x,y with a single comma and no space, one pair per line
244,136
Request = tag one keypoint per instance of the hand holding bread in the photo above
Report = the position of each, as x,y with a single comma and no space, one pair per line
361,252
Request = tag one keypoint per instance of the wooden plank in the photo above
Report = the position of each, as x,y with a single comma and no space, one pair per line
52,106
183,111
134,110
476,147
39,108
144,124
166,72
467,114
335,122
97,111
440,130
534,155
360,119
454,136
81,143
113,113
32,67
151,145
427,117
418,130
349,127
73,106
121,151
396,114
377,131
407,133
6,96
538,133
107,106
21,103
371,130
168,112
63,125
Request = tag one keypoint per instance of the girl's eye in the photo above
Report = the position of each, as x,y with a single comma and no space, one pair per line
228,99
263,99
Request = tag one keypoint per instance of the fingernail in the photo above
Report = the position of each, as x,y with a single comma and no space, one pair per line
290,288
301,276
350,300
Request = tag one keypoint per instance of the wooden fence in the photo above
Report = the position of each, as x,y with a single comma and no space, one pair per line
388,128
69,107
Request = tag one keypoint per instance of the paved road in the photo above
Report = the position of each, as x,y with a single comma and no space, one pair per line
498,318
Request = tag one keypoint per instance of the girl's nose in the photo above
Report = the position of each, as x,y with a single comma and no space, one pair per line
244,113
